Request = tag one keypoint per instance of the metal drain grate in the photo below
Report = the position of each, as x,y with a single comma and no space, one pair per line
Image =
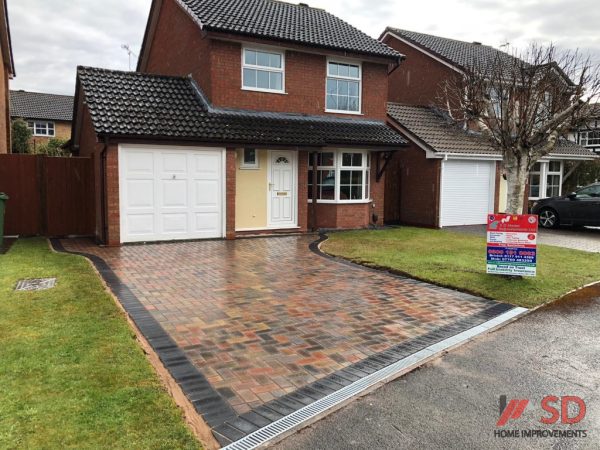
295,420
35,284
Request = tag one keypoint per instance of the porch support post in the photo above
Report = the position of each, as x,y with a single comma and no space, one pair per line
313,211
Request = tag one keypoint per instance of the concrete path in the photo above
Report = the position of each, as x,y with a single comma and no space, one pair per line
453,403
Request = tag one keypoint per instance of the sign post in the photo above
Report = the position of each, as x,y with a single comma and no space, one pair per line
512,244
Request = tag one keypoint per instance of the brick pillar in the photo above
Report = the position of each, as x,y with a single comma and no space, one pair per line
113,219
303,190
230,193
377,192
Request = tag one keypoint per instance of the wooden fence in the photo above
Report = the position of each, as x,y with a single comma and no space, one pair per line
49,196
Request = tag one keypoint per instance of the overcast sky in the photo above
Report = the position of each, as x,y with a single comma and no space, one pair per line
51,37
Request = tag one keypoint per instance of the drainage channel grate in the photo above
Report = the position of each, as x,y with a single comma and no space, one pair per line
295,420
36,284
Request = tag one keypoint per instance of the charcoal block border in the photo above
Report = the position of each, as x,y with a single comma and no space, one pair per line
226,425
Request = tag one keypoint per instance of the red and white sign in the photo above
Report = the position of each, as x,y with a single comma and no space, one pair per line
512,244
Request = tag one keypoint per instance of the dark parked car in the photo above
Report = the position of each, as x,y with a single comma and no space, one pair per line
578,209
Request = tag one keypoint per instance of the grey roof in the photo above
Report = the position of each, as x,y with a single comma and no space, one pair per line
36,105
154,106
275,19
461,54
432,128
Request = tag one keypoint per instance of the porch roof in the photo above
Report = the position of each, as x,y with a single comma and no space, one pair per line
434,130
137,105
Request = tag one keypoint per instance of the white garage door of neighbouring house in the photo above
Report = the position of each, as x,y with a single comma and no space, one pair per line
467,193
169,193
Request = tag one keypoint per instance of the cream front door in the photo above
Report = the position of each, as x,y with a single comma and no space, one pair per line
282,189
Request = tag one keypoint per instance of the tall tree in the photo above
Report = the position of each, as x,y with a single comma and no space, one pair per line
524,104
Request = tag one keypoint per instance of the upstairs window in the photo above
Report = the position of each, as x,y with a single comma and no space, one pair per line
589,138
343,87
40,128
262,70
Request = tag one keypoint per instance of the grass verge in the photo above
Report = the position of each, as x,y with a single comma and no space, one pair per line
458,261
72,374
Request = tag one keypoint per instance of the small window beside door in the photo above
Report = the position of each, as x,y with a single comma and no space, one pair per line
249,159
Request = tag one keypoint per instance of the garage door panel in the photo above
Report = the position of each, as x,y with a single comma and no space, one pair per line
174,193
140,224
140,194
467,196
168,193
208,166
140,164
208,193
204,222
174,223
174,162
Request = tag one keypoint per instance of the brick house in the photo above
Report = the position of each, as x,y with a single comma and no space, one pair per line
6,74
446,176
47,115
243,117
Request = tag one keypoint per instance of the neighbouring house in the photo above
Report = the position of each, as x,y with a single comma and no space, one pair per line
588,134
244,116
448,176
7,73
47,115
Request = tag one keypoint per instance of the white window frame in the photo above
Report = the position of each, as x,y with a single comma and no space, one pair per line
584,136
549,173
264,68
544,173
249,166
338,77
33,125
338,167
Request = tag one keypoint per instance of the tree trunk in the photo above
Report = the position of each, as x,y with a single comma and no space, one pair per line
517,173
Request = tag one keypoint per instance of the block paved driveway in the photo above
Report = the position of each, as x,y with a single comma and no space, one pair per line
261,318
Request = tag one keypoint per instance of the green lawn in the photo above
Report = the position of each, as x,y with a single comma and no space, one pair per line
458,261
71,372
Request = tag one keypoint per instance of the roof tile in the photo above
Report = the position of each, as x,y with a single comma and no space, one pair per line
36,105
275,19
155,106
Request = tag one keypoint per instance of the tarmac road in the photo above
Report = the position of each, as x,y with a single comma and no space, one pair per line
453,402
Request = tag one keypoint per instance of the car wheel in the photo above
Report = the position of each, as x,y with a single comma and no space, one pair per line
549,218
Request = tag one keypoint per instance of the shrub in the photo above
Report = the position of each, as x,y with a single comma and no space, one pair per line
20,136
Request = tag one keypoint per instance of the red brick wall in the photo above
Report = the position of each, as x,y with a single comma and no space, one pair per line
418,79
303,206
90,146
230,169
413,187
305,76
179,48
112,196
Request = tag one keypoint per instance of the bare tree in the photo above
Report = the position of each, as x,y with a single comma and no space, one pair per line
524,104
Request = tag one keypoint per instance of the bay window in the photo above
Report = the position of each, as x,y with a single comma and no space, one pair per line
545,180
342,176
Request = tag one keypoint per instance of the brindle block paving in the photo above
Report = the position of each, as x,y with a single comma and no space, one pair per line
262,318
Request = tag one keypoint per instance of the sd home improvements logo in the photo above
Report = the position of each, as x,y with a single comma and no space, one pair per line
569,410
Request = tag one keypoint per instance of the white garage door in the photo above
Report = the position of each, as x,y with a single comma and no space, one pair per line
467,192
169,193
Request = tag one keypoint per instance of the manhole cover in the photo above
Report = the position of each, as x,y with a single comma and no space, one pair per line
37,284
